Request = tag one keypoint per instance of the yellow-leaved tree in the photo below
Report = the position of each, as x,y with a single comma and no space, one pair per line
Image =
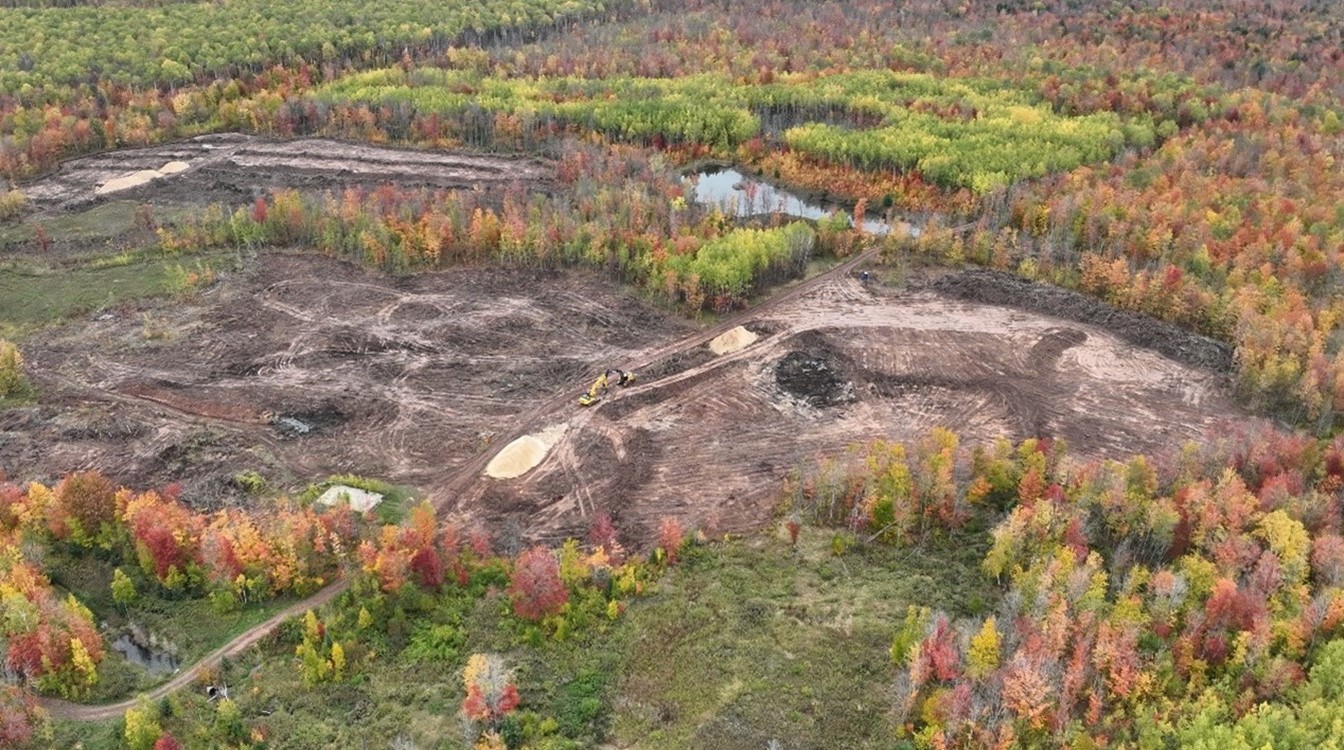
12,382
983,656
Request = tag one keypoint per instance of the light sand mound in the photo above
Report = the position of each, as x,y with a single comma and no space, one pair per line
518,457
360,501
136,179
731,341
126,182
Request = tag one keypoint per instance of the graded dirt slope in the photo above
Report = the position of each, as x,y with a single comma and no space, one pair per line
302,366
235,168
842,364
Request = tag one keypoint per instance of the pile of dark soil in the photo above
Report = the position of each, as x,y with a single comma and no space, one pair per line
814,376
996,288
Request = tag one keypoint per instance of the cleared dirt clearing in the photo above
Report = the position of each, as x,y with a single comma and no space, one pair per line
845,364
301,366
234,168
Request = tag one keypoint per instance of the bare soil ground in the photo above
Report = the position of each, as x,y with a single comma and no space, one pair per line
301,366
233,168
846,363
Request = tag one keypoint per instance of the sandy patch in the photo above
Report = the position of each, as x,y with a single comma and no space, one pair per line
518,457
136,179
359,500
731,341
126,182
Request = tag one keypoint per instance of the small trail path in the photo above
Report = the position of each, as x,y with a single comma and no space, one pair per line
60,709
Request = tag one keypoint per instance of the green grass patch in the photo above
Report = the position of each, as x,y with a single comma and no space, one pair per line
30,300
957,132
32,296
103,222
89,735
747,642
106,226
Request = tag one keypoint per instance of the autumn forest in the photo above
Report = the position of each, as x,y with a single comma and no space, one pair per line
883,575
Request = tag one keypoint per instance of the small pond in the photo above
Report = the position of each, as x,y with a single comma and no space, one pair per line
155,661
739,195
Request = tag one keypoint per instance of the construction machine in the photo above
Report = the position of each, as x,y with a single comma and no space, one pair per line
603,382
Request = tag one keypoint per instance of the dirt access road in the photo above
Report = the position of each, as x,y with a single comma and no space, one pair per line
187,676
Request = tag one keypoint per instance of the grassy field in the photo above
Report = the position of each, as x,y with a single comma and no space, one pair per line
95,259
751,641
33,297
102,223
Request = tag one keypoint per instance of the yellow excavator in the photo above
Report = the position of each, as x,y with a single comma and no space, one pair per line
603,382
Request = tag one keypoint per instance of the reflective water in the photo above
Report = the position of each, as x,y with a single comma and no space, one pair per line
738,195
154,660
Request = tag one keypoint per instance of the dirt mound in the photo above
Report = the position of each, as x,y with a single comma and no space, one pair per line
521,455
192,401
731,341
814,376
360,501
127,181
996,288
140,177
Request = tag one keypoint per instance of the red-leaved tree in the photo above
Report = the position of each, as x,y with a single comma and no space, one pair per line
670,536
86,504
536,589
19,715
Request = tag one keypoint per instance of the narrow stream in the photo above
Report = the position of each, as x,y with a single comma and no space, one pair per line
738,195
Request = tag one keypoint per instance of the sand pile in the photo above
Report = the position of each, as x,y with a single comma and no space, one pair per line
731,341
136,179
361,501
518,457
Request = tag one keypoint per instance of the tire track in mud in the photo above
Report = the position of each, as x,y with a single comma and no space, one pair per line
443,493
